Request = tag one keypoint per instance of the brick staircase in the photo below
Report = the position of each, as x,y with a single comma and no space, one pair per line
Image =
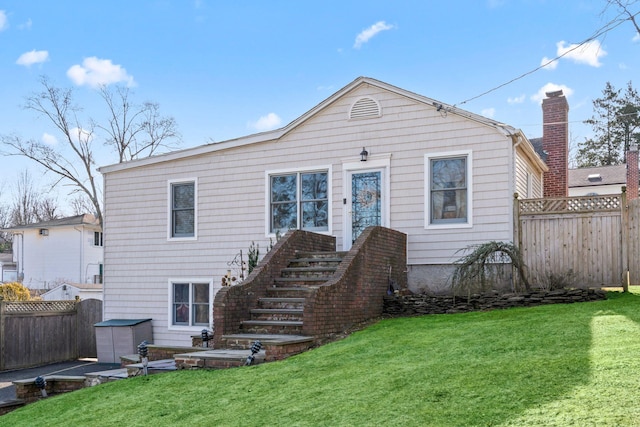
277,319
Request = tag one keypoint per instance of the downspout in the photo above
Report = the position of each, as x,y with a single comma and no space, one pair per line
81,230
20,266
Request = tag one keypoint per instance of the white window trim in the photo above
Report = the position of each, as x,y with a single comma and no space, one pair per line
267,195
379,161
427,189
170,183
194,328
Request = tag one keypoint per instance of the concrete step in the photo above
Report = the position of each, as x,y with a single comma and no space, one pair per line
281,302
271,327
217,359
291,292
316,271
277,314
276,346
299,281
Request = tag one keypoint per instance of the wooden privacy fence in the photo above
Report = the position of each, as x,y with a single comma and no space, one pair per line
588,240
34,333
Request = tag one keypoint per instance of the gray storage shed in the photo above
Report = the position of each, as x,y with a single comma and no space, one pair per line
120,337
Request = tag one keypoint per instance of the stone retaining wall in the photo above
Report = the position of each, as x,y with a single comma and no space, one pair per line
418,304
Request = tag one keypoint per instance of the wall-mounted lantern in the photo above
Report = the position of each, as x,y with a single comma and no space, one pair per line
363,155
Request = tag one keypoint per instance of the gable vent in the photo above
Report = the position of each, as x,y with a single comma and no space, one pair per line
365,108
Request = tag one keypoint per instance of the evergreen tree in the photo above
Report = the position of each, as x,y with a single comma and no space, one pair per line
616,124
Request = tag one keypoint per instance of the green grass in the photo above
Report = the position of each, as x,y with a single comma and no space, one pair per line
560,365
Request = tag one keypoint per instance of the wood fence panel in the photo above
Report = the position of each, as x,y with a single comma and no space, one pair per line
89,313
39,332
578,238
633,243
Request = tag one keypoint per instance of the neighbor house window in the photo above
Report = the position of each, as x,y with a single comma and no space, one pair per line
97,238
299,200
191,303
448,184
182,209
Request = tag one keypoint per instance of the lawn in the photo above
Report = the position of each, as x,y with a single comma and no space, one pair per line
559,365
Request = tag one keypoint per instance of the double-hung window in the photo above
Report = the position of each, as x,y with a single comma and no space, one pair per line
448,187
182,206
190,303
299,200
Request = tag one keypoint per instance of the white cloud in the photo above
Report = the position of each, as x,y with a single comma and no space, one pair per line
80,135
588,53
551,87
49,139
26,25
268,122
4,22
548,65
34,57
488,112
96,72
517,100
366,34
636,37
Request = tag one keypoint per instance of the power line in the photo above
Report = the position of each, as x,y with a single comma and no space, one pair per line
603,30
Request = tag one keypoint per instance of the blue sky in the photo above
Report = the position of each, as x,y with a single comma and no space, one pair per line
228,69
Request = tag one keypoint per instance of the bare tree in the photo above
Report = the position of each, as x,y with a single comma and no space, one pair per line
5,221
80,204
30,205
624,8
133,131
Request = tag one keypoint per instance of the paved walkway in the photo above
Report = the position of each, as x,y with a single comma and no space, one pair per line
74,367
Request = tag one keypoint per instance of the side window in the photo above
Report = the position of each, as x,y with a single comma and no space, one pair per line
299,200
190,303
97,238
448,184
182,209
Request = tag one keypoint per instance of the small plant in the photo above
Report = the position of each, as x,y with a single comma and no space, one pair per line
253,256
485,266
14,291
554,281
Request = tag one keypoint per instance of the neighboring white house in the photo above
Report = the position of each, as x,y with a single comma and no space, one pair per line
61,250
71,291
370,154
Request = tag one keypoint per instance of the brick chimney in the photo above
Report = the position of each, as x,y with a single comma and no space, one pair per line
555,142
632,172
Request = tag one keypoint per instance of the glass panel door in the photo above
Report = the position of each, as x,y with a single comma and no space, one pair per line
366,201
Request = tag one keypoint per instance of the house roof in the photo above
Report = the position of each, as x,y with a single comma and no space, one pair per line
602,175
86,219
279,133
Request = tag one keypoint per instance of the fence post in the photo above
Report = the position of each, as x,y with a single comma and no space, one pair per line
2,335
624,228
516,221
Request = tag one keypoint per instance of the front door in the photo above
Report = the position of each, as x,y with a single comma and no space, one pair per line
365,206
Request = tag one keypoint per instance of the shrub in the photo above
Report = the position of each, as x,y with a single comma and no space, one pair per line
485,266
14,291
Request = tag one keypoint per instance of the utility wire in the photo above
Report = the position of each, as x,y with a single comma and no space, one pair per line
603,30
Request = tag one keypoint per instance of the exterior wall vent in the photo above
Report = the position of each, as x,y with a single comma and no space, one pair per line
365,108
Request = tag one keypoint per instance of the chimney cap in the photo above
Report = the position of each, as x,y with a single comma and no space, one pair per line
554,94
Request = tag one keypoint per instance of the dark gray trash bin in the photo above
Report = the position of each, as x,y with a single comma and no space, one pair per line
120,337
